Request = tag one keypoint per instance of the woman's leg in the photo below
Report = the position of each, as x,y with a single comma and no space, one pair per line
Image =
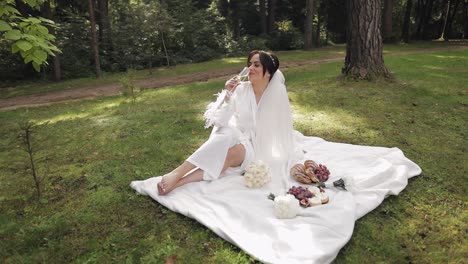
234,158
194,176
170,180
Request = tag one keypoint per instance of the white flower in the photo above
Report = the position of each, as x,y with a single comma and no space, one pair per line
257,174
350,184
316,200
315,190
320,197
286,206
346,183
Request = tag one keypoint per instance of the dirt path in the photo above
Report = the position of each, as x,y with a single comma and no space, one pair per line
151,83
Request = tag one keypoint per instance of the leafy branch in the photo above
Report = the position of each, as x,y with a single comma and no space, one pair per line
29,36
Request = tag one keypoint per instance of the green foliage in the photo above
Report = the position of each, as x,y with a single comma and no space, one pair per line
74,39
287,37
247,43
97,147
13,67
28,36
199,35
144,34
333,15
136,41
140,31
127,87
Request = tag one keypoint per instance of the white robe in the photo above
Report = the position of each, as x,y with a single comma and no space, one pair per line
233,117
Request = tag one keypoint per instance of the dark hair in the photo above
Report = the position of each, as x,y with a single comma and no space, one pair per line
268,60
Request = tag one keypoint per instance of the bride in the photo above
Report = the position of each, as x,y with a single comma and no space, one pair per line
251,120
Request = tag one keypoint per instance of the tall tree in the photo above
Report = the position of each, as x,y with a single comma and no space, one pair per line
308,28
451,18
234,18
94,41
317,28
335,19
445,21
271,16
405,33
105,37
387,20
364,51
465,16
423,15
263,18
49,14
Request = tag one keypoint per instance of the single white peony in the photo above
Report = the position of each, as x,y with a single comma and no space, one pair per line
350,184
314,190
319,197
316,200
286,206
257,174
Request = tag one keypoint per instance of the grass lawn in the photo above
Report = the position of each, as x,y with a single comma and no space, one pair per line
235,63
92,150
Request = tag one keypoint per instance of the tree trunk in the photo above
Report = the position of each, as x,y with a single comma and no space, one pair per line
57,68
94,43
165,49
47,11
405,34
445,21
465,6
105,38
223,7
424,10
430,4
234,17
451,17
387,20
271,16
263,18
309,21
419,17
364,48
23,8
317,29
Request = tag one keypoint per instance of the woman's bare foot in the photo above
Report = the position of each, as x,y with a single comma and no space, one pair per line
168,183
195,176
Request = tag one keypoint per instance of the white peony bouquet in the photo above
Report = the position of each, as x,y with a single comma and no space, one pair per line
286,206
257,174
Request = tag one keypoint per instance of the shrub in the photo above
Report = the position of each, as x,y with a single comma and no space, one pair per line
287,37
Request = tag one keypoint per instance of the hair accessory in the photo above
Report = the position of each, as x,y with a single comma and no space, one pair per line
271,57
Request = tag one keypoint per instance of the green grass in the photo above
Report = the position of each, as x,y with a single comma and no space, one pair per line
234,63
93,149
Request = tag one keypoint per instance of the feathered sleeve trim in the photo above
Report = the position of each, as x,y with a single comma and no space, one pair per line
212,114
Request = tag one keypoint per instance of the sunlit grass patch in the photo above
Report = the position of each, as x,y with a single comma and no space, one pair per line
234,60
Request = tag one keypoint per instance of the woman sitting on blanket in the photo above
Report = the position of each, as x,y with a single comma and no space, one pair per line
251,120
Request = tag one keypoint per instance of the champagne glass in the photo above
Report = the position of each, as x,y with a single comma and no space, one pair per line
242,75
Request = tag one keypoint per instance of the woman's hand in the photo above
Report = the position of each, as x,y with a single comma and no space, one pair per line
231,84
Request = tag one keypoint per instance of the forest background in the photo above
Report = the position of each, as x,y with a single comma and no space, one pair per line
138,34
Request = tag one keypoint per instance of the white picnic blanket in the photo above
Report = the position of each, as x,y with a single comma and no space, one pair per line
245,217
